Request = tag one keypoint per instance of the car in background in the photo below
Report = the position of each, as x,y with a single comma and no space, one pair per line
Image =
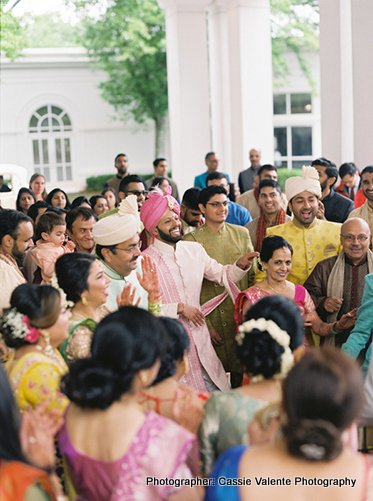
12,178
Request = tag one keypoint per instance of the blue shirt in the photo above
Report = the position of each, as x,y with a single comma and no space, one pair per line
237,214
200,181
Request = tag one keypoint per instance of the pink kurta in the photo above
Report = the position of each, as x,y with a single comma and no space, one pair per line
181,272
45,255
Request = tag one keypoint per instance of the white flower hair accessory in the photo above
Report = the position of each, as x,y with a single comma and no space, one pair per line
279,335
20,325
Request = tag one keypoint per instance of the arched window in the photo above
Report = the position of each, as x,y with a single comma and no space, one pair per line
51,131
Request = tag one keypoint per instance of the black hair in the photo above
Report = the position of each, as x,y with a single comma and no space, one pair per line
322,395
93,200
10,220
119,155
53,192
190,198
368,169
21,191
99,247
348,168
78,201
157,161
83,212
159,180
124,342
177,343
269,183
331,169
40,303
215,175
47,222
264,167
207,193
72,272
33,210
259,352
105,190
132,178
271,244
10,422
208,155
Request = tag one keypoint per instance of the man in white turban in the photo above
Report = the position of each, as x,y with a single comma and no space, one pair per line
118,248
312,239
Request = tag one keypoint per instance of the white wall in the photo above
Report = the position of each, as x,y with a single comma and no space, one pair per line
64,77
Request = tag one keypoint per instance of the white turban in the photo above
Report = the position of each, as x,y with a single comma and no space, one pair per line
119,227
309,181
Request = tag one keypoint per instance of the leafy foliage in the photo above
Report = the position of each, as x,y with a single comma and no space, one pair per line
294,28
49,30
12,34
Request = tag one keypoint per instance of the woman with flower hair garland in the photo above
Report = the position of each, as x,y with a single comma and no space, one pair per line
322,398
266,346
33,327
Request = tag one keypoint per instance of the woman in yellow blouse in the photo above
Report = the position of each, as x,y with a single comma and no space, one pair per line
34,326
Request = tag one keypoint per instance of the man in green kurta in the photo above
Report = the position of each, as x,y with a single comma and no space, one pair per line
226,243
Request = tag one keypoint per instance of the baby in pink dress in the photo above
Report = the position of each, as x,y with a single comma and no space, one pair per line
50,244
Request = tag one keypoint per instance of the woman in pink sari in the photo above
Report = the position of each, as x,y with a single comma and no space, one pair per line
276,257
113,449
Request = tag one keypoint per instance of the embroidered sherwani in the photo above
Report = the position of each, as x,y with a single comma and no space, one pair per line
10,277
226,246
310,245
118,282
182,270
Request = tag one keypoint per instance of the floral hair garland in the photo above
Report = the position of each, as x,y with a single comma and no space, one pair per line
20,325
279,335
55,284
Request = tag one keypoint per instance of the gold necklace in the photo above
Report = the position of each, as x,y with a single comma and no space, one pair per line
274,290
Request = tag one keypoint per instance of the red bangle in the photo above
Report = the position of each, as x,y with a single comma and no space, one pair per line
182,310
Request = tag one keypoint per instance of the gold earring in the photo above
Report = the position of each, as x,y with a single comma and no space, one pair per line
84,301
186,365
143,378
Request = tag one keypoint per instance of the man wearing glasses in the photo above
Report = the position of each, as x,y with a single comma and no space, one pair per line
118,248
133,185
336,284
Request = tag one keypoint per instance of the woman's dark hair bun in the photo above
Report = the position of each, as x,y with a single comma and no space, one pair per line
260,354
314,440
90,385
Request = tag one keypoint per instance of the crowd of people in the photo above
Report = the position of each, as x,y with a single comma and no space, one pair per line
154,344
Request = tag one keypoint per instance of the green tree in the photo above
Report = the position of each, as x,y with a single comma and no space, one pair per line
294,28
49,30
12,34
128,42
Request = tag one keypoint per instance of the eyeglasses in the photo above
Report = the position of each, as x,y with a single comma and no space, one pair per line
138,193
352,238
218,204
131,249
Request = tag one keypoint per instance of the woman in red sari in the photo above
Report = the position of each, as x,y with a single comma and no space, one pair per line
276,257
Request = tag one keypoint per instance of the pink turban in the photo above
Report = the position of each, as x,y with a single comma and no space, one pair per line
155,206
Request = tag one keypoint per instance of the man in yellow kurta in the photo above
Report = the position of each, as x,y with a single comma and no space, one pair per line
312,239
226,243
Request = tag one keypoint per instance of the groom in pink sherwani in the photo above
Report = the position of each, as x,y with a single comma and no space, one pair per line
182,266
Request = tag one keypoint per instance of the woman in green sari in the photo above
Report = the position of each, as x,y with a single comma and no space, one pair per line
82,278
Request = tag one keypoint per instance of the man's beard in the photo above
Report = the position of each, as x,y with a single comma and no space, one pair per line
167,237
16,253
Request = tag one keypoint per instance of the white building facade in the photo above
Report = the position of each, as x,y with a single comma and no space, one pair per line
54,121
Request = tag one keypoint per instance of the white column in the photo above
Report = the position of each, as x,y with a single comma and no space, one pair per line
362,61
221,128
188,88
336,86
250,80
